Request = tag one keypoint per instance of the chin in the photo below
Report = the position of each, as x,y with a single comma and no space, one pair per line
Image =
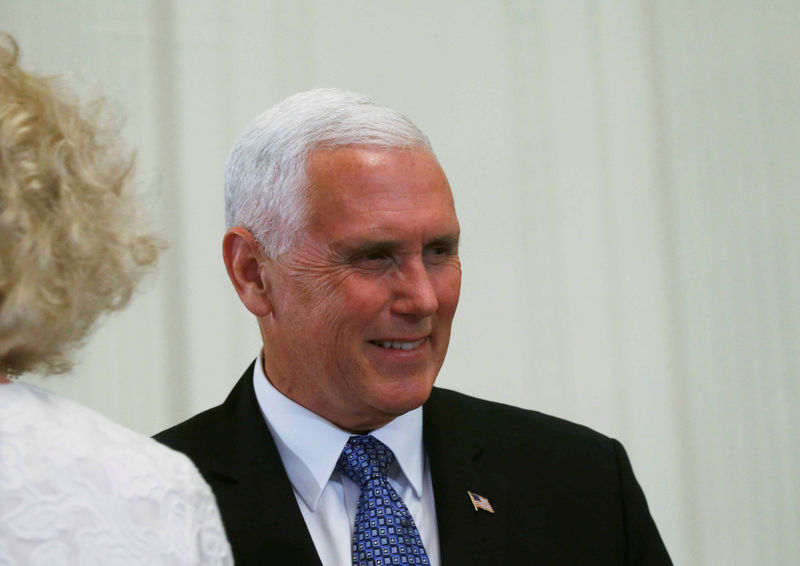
406,395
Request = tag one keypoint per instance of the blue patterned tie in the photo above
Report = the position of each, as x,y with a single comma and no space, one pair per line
384,531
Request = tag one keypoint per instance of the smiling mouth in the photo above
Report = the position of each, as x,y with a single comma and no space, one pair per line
397,344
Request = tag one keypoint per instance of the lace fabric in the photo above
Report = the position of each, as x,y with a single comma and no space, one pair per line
78,489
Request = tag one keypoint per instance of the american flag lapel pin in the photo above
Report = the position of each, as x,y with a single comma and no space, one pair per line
480,502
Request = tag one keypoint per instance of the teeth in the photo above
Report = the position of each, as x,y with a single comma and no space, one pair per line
399,345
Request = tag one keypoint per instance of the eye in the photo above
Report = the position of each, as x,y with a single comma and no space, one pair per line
441,251
373,259
375,256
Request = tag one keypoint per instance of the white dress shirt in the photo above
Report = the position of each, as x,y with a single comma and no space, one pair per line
309,447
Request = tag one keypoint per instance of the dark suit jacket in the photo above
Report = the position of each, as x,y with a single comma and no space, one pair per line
562,493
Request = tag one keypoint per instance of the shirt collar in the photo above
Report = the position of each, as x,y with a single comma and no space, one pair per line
309,445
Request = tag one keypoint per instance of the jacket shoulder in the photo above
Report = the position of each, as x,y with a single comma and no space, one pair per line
199,436
191,433
463,411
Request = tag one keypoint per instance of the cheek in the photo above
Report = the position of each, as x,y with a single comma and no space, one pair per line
318,293
340,312
448,290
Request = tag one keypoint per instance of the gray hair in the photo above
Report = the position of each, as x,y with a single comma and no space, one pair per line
265,176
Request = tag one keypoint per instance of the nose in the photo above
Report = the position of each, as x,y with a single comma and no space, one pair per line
414,293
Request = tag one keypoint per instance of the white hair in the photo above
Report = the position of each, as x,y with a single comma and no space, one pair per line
265,176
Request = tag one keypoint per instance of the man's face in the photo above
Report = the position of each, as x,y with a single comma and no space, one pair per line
362,305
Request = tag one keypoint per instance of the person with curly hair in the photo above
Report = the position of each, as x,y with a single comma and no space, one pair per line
76,487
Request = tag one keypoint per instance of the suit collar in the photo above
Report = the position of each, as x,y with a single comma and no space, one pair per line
309,445
250,474
461,461
240,420
249,480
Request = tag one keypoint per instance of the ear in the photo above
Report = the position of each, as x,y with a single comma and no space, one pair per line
244,259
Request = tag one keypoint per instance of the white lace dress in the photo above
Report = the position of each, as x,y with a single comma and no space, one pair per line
78,489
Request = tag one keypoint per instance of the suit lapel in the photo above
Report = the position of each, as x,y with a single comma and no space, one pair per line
262,519
265,525
459,463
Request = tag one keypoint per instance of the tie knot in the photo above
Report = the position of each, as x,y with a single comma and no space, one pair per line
364,459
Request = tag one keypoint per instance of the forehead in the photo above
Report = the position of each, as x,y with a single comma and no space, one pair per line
378,189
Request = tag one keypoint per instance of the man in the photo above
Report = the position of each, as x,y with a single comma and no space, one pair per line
334,447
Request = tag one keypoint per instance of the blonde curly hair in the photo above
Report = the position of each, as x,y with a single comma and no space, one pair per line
71,241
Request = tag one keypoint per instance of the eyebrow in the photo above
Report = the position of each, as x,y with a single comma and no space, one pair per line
450,240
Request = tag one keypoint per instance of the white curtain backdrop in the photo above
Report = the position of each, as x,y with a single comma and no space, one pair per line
626,175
